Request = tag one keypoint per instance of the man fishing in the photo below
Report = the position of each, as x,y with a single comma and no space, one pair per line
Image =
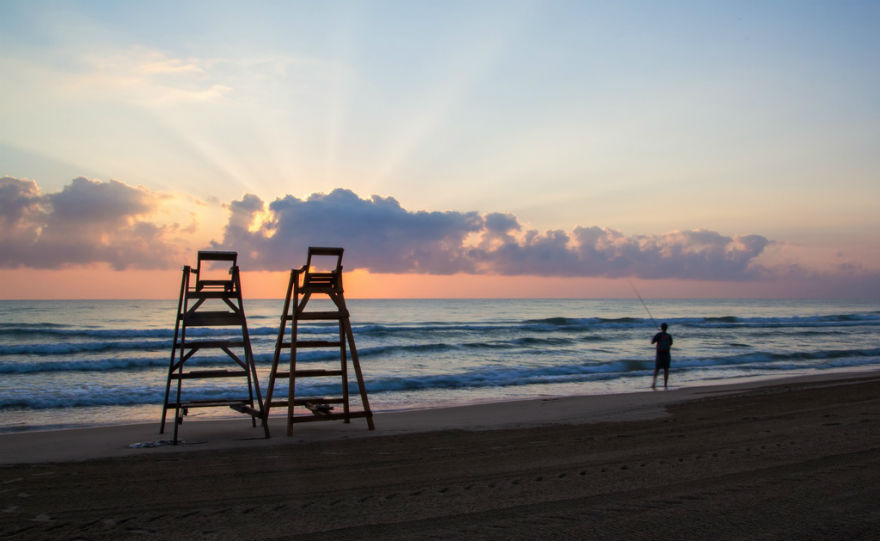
664,344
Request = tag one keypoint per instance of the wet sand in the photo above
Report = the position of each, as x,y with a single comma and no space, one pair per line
795,458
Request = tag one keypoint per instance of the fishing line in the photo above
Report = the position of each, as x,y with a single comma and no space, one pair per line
636,291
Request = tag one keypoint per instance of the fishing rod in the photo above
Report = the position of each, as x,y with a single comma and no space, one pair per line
636,291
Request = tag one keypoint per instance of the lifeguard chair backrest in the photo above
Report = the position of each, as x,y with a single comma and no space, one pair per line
323,267
212,273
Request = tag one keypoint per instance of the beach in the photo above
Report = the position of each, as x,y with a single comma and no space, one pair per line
789,458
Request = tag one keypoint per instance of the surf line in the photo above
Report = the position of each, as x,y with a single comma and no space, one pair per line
636,291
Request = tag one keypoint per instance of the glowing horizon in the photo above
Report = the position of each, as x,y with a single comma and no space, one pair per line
725,150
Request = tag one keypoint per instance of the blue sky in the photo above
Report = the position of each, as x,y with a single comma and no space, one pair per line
650,121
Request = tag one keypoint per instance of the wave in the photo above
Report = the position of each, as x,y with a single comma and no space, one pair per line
617,369
263,360
70,348
534,340
759,361
558,321
507,376
839,320
44,349
818,355
104,365
480,377
42,325
69,332
721,319
419,329
597,324
121,364
141,396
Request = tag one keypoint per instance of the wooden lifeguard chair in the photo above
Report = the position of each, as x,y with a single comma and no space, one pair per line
201,291
314,279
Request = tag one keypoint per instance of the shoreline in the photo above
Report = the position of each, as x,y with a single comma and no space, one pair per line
795,458
223,414
95,442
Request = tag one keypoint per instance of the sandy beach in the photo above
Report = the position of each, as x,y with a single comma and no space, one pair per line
791,458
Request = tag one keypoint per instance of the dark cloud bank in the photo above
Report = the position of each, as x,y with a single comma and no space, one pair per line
381,236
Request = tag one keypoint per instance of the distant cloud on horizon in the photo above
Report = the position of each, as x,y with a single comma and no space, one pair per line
93,221
88,221
381,236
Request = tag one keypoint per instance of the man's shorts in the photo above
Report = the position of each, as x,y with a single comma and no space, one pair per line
663,359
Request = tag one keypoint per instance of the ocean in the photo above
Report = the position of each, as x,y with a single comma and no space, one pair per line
70,364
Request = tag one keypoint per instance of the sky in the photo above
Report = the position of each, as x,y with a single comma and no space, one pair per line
454,149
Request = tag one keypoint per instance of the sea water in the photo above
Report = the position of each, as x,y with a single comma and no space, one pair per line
86,363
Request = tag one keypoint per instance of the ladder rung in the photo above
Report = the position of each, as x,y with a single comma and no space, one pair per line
312,344
212,319
315,373
327,417
318,343
196,374
218,255
211,294
208,403
321,315
211,344
302,402
277,404
246,408
319,287
214,283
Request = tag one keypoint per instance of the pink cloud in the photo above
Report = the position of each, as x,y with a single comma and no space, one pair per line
88,221
381,236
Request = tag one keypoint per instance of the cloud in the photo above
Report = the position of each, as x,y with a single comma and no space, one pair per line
110,203
19,202
149,76
154,78
92,221
381,236
695,254
378,233
88,221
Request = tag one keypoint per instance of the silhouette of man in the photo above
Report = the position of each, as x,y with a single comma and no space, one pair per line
664,344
